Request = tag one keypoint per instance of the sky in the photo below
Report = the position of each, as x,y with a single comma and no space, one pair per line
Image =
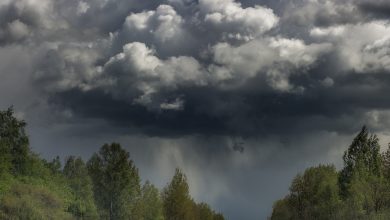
241,95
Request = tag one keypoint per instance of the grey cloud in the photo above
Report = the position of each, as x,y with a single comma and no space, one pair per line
375,9
101,16
18,20
149,77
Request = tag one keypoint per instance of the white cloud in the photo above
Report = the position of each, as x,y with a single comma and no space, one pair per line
139,60
139,21
376,56
82,7
237,22
177,104
18,30
297,52
164,24
333,31
276,57
139,66
361,47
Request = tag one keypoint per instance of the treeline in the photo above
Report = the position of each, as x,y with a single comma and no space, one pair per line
107,186
361,190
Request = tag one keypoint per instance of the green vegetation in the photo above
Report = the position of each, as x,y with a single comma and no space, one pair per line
361,190
108,186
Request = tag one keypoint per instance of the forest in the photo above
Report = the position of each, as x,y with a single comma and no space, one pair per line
360,190
107,186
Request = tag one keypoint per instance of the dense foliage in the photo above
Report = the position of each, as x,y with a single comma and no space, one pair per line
107,186
361,190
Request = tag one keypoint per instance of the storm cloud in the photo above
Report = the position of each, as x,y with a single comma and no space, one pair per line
265,73
216,67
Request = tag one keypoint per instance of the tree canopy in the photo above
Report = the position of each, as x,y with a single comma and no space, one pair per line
360,190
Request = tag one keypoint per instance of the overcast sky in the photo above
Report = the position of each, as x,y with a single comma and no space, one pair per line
242,95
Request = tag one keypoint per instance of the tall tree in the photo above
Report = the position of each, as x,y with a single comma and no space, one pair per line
83,205
362,157
178,204
13,142
116,182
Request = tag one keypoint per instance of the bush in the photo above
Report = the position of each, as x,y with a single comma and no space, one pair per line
32,202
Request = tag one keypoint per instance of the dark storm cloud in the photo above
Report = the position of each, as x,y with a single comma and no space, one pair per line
376,9
243,113
218,67
137,118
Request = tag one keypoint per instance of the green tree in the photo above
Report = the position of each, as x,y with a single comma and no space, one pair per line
362,157
76,173
108,186
151,203
362,181
363,185
386,163
5,158
177,201
282,210
313,195
116,182
367,194
54,165
13,143
204,212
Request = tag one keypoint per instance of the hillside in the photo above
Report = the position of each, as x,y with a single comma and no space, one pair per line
107,186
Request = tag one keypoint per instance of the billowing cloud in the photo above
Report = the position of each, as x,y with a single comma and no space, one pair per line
164,24
362,47
277,58
163,57
234,21
137,68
